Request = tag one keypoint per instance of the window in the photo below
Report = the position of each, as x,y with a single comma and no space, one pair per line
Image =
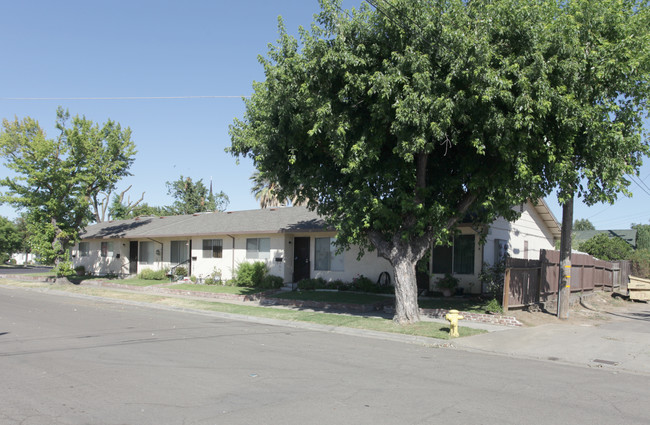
84,249
258,248
107,249
178,252
326,257
146,252
212,248
464,254
458,258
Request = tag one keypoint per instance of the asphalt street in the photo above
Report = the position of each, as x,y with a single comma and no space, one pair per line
71,360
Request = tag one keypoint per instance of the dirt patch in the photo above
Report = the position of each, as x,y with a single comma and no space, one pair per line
597,308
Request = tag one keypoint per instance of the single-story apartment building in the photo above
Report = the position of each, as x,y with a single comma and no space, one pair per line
294,243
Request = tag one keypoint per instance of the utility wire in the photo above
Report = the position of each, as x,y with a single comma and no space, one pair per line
647,191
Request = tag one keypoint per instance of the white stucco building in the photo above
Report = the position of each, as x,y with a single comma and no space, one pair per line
293,242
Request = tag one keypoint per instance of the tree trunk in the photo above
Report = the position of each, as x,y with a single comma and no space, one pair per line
403,256
406,291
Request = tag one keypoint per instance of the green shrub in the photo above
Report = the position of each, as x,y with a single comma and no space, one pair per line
447,282
149,274
271,282
180,271
80,270
64,269
605,248
311,284
492,278
250,274
640,262
493,306
193,279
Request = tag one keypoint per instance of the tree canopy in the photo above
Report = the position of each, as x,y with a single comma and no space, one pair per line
642,236
583,224
398,124
10,239
191,197
58,179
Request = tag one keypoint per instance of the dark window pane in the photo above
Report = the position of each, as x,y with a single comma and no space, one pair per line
442,259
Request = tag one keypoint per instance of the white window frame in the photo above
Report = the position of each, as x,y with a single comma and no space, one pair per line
108,251
328,260
258,248
209,250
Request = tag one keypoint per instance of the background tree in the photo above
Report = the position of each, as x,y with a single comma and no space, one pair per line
583,224
385,122
57,180
119,208
642,236
265,192
607,248
10,239
192,197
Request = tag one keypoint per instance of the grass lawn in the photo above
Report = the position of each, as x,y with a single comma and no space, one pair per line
471,305
427,329
218,289
332,297
136,281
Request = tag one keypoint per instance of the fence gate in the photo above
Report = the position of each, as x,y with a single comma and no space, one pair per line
522,283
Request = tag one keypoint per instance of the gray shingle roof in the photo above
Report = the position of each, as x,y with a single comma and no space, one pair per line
271,220
628,235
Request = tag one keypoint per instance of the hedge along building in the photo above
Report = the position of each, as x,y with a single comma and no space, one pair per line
294,243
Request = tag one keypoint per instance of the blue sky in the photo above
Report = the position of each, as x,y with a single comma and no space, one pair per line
85,49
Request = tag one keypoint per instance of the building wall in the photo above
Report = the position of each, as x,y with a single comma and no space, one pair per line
96,264
526,236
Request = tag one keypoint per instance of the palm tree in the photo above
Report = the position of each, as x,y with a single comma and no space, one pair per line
265,192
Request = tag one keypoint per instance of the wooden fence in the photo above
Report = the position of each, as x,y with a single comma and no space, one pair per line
529,282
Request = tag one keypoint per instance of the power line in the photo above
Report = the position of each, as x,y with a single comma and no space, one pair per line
126,98
647,191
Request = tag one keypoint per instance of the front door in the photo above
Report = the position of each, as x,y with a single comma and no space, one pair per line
133,257
300,259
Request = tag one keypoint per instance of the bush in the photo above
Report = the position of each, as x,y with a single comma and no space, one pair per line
605,248
80,270
493,306
447,282
193,279
180,271
640,262
149,274
64,269
493,277
250,274
271,282
311,284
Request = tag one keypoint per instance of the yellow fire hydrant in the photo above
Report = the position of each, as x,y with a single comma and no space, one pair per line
453,317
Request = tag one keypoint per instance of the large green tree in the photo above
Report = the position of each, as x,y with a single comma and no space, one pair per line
399,122
57,180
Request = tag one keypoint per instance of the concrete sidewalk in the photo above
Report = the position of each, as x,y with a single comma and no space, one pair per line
618,340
